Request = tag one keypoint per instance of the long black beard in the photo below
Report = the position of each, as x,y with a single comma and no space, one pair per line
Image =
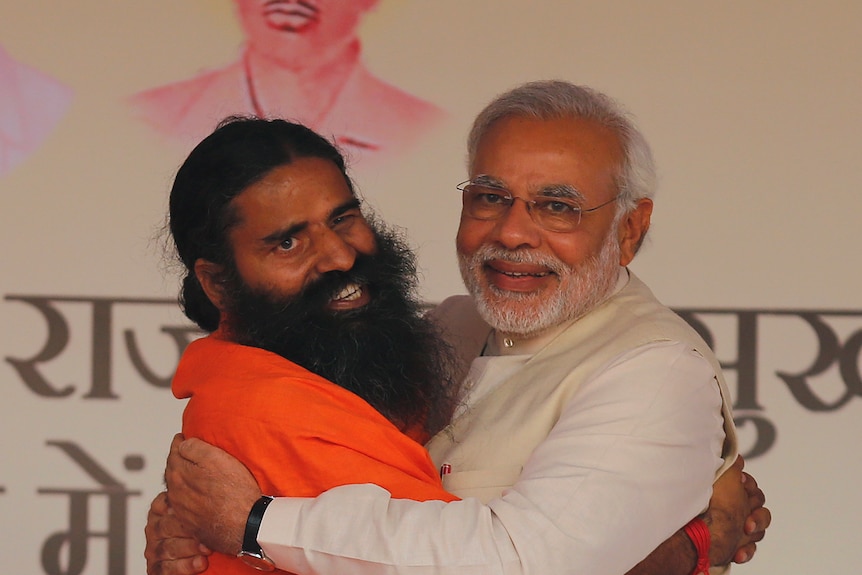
386,352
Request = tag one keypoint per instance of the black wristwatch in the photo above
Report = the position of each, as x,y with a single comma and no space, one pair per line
251,554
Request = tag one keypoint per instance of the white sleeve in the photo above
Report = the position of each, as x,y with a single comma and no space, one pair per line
631,459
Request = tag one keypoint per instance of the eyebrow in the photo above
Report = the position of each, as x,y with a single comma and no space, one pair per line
490,181
550,191
561,191
279,236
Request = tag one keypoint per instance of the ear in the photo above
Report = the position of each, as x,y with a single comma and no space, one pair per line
209,275
633,229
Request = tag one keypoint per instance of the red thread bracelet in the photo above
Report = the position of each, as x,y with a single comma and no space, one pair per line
698,532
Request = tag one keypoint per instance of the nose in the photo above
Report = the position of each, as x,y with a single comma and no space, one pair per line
516,228
333,252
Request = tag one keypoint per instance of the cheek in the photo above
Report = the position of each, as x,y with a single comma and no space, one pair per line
471,235
257,276
282,283
247,267
268,274
363,241
571,249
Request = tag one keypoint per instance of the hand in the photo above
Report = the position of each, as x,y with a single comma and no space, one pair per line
210,492
756,522
170,549
736,517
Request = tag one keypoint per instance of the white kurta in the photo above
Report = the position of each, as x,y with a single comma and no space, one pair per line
630,459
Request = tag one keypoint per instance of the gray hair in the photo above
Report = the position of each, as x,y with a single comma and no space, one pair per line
554,99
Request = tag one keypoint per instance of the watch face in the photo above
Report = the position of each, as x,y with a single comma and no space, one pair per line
259,561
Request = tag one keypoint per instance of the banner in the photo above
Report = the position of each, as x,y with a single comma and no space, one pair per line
752,109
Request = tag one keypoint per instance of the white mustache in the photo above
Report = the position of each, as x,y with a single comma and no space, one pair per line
487,253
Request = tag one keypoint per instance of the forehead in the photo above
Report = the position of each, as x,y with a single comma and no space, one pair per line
528,153
306,190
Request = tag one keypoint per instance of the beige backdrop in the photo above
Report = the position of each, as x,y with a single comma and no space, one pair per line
752,109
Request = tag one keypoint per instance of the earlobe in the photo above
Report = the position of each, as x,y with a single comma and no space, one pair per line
209,275
633,230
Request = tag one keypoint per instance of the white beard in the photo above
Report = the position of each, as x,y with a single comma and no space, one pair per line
528,314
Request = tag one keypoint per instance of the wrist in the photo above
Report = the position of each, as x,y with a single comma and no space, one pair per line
698,533
251,553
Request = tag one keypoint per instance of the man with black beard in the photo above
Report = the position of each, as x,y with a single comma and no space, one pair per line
320,369
377,351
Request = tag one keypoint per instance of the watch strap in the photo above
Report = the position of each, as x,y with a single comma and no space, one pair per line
252,553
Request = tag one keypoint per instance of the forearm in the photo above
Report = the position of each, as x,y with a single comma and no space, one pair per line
557,519
384,536
725,519
578,507
381,535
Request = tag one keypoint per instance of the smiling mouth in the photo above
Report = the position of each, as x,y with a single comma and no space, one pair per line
518,274
350,297
524,275
351,292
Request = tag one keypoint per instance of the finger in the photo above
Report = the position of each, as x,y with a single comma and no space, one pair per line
745,553
175,548
756,497
176,455
175,465
161,522
160,506
194,450
757,536
749,480
176,441
758,522
163,552
167,526
187,566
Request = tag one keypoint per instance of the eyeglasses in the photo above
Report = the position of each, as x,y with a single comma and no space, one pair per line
554,213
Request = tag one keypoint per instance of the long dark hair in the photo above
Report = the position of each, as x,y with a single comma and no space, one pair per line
240,152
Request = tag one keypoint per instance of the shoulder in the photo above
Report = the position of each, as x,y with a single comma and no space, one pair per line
192,105
180,94
379,94
375,115
460,322
453,307
462,328
662,389
663,358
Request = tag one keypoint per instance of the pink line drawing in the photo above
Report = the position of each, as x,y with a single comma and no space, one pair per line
301,61
31,105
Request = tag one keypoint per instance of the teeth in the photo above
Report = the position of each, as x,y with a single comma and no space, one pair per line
349,293
521,275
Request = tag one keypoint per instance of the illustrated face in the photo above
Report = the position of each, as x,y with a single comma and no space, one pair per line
297,31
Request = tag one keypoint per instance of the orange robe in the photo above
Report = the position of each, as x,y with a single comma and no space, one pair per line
298,433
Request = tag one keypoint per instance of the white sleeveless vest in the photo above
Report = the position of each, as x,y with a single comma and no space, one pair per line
489,443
